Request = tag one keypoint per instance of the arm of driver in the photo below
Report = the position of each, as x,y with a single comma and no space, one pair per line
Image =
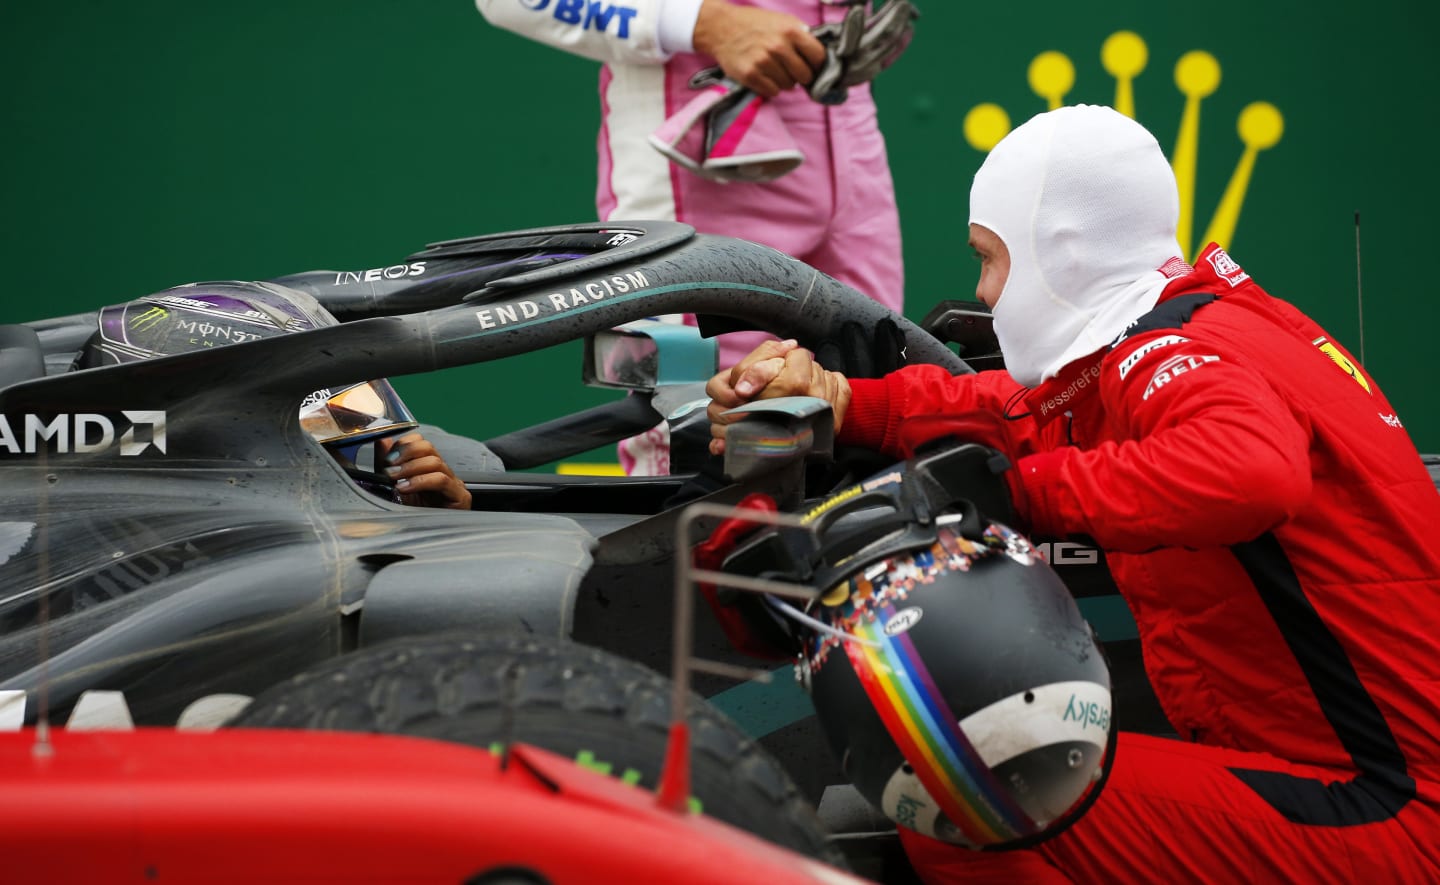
422,478
774,369
634,33
1213,460
763,50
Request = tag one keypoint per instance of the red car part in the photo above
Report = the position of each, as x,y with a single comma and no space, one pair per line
251,805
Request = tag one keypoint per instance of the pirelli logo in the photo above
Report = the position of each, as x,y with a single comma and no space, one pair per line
1174,368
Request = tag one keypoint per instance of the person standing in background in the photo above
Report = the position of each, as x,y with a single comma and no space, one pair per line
836,211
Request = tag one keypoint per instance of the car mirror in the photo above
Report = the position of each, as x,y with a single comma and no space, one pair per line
647,354
773,433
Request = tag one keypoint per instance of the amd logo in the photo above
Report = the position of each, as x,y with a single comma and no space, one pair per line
81,432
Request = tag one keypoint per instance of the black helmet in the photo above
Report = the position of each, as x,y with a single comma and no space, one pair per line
950,668
203,315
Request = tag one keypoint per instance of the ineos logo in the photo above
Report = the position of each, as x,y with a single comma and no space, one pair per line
379,274
904,620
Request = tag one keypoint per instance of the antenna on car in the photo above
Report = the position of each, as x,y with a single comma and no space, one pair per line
673,791
42,746
1359,298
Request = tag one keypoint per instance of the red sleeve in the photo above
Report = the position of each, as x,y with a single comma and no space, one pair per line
1209,456
922,402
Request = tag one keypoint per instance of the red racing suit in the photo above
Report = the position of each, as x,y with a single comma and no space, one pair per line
1277,538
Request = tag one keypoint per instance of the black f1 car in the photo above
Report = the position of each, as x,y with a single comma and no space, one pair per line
173,545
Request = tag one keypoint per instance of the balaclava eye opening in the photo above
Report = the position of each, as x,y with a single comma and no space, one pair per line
1087,206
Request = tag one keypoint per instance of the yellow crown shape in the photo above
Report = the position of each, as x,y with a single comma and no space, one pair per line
1197,75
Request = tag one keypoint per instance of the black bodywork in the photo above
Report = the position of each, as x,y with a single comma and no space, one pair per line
242,553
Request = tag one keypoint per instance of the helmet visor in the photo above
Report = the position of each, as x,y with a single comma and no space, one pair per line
355,413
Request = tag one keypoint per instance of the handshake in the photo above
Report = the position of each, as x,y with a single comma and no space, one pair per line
784,368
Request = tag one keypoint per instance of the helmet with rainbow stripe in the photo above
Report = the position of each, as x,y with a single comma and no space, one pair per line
950,668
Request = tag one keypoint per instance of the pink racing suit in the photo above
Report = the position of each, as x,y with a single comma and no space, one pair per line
835,212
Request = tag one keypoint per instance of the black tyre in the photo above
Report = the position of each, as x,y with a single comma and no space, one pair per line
606,712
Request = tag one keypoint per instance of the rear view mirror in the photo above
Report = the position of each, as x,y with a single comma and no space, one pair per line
775,433
647,354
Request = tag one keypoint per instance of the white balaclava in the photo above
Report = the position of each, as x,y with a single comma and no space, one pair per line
1087,205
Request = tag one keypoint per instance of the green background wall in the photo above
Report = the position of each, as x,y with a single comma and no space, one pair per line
153,143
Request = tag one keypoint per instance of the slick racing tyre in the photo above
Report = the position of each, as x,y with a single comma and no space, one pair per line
606,712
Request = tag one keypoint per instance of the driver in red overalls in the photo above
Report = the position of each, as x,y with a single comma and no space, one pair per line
1264,513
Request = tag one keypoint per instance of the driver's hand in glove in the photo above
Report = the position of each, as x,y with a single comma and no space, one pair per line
422,478
774,369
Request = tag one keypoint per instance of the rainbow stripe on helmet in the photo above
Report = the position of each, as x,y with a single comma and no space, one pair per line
928,734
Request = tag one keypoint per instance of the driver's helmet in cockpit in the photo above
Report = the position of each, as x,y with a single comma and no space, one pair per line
198,316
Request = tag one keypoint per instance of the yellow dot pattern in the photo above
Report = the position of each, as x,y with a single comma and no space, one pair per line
1260,127
1052,75
1124,55
985,125
1197,75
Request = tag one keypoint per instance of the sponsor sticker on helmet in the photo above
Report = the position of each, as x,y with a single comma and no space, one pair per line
906,801
1058,713
148,319
903,620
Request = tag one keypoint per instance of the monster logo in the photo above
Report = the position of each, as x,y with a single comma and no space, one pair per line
149,319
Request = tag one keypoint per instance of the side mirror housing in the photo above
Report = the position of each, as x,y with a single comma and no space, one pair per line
775,433
647,354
